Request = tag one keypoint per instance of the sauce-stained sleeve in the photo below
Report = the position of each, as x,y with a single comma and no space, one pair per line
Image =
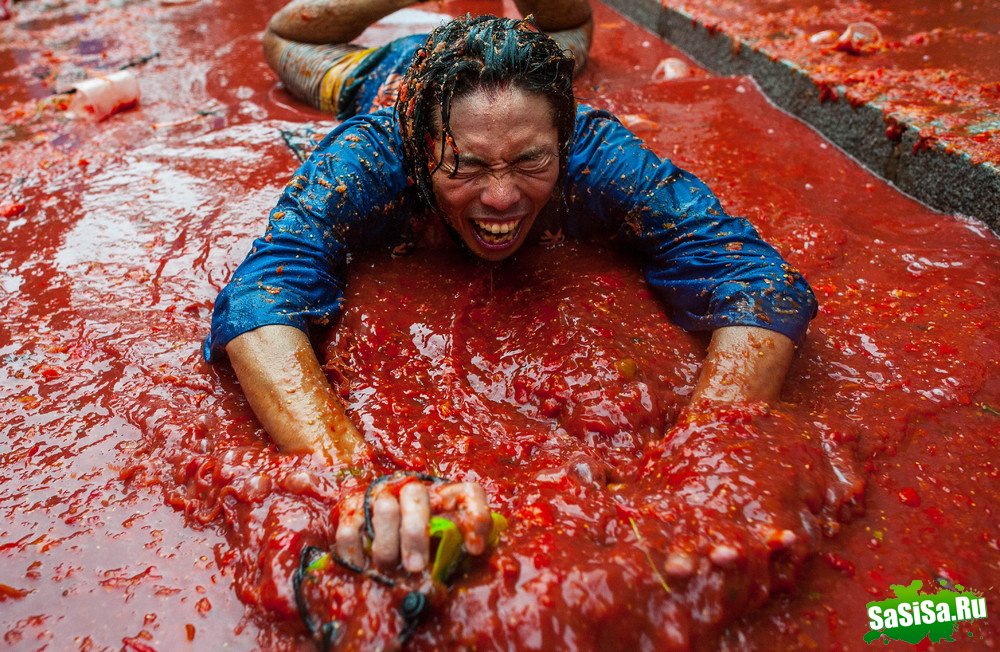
347,196
710,268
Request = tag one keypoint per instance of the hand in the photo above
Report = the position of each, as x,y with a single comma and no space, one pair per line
730,503
400,514
745,486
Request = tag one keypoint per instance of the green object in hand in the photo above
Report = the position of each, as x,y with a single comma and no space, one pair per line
449,548
321,563
499,527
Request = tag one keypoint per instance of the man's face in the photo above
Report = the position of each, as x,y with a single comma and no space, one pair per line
507,169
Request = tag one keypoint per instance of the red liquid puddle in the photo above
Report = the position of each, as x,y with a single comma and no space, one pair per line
935,66
144,506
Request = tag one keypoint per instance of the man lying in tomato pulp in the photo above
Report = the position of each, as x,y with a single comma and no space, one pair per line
473,134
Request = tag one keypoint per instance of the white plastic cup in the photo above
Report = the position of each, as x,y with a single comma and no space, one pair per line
858,37
101,97
671,68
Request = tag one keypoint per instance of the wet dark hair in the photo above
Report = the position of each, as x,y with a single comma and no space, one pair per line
478,53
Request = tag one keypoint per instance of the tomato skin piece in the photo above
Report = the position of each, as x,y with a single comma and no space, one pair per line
48,371
838,563
8,211
135,643
909,497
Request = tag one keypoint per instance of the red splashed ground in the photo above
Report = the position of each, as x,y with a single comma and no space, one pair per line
936,65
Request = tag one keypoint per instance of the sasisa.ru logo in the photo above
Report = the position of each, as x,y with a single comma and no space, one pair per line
913,615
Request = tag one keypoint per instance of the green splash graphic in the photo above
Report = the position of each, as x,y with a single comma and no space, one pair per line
912,615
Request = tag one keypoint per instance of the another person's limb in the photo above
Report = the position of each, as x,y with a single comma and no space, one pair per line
308,44
569,22
330,21
342,21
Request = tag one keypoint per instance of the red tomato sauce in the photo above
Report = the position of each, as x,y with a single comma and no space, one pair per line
932,65
144,508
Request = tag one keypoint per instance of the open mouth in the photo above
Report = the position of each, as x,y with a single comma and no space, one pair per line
494,234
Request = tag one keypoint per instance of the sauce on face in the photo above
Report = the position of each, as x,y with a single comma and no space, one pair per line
143,507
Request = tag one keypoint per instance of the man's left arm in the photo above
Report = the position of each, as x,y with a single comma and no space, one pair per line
712,269
764,482
744,364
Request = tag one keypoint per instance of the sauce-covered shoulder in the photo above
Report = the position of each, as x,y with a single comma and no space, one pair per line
711,268
358,166
349,195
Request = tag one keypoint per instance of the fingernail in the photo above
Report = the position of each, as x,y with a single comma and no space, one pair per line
724,555
416,562
780,539
679,565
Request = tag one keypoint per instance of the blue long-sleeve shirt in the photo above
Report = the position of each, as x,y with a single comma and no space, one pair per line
710,268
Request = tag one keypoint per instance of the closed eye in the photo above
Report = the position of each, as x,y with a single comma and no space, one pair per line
533,165
467,172
470,167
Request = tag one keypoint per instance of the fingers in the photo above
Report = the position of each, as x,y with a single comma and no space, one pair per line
348,536
468,501
385,521
401,525
415,509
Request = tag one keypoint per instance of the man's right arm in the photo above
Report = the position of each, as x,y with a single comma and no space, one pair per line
349,195
288,391
346,196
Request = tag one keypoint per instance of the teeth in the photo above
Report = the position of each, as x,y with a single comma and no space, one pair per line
497,228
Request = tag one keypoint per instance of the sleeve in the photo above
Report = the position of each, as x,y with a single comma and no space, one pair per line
349,195
710,268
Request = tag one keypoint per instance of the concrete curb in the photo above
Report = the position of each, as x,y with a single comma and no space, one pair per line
946,180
